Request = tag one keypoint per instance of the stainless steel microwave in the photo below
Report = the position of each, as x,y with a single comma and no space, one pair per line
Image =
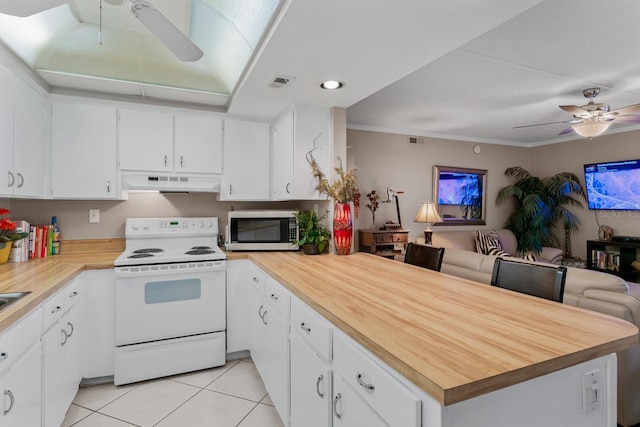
262,230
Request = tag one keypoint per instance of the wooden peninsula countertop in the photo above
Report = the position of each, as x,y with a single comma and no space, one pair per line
454,338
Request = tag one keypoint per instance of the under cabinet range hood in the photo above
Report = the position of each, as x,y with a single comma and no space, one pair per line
171,183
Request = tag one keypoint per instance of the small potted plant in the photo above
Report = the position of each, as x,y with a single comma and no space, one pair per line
314,238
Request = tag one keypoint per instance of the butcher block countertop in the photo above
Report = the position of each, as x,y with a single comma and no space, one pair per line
454,338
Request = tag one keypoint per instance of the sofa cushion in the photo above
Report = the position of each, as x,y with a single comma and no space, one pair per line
453,239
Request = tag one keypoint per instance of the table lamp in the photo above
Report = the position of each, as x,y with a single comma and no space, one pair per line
428,214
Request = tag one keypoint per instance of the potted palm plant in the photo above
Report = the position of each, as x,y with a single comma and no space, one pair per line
314,238
539,204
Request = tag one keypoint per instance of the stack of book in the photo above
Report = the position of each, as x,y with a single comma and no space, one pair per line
604,260
39,244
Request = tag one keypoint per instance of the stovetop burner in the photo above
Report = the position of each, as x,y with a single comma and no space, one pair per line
199,252
141,255
148,251
201,247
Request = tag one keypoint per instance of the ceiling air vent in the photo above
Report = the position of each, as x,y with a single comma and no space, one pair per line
279,81
416,140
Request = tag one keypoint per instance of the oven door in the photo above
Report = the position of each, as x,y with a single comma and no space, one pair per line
166,301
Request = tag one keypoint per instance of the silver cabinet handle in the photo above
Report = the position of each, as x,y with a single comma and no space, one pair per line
73,294
20,180
255,279
12,400
12,179
288,186
230,189
181,161
70,325
108,186
56,309
65,337
362,383
274,297
260,311
335,405
305,328
3,356
318,381
165,160
264,317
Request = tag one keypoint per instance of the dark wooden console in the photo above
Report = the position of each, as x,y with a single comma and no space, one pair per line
614,258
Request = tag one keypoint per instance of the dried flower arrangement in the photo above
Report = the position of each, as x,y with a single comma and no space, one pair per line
373,204
343,189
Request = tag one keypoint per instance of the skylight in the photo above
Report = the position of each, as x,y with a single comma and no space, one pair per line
62,43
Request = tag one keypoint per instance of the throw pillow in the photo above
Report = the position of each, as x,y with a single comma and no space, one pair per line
498,252
529,257
486,242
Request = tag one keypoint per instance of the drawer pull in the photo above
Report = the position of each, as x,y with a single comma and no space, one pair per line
305,328
56,309
73,294
335,405
320,378
274,297
71,327
12,400
65,337
363,384
255,279
3,356
260,311
264,317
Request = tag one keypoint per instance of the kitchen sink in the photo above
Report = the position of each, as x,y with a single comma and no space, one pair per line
7,299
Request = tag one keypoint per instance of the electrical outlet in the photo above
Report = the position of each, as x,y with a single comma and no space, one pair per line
94,216
592,392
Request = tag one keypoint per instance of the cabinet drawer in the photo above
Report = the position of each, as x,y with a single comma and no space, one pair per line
392,400
316,331
52,310
258,279
383,238
71,294
399,238
278,297
15,341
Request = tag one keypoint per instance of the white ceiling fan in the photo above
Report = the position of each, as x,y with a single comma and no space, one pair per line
156,22
594,118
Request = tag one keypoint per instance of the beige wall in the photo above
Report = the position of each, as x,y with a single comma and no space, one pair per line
570,157
387,160
73,216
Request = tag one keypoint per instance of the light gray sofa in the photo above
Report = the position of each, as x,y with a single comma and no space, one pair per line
584,288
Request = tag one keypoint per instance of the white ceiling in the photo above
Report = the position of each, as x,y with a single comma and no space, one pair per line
463,69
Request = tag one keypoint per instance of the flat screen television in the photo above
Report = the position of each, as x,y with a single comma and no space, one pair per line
458,188
613,185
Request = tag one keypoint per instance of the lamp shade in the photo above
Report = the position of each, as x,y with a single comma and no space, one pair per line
591,129
428,213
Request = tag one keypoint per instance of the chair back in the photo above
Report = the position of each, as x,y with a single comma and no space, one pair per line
544,281
424,256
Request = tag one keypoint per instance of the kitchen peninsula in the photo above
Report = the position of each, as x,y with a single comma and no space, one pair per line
469,352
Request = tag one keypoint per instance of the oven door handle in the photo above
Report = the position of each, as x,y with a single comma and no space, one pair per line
168,269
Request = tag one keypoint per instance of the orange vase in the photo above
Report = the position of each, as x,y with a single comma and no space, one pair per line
342,228
4,253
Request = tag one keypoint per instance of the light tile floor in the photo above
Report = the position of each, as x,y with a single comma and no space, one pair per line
232,395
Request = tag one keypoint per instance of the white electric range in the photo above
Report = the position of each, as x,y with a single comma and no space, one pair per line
170,298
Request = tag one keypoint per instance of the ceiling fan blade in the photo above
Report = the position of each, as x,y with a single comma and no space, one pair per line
165,31
627,119
575,110
566,131
630,109
550,123
27,8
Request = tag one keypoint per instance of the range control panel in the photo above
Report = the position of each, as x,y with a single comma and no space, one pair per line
158,227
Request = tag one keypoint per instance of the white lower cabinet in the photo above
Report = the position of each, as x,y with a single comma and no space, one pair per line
61,356
21,388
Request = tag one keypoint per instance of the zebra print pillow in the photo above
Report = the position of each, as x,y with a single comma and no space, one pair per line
487,242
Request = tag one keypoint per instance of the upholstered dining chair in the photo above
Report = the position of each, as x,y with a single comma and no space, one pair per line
544,281
424,256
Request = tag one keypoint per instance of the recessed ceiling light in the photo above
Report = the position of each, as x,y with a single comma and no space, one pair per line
331,84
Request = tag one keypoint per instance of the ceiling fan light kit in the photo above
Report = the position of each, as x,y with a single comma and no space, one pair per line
591,129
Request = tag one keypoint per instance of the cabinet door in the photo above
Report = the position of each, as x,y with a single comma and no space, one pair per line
257,327
145,140
282,158
310,386
198,144
29,141
246,161
21,388
6,131
276,362
83,151
73,363
349,410
53,374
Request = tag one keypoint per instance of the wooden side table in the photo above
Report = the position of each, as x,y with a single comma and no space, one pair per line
385,243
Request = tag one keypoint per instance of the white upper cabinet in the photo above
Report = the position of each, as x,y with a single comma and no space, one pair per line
246,161
83,151
296,133
158,141
198,144
145,140
22,129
